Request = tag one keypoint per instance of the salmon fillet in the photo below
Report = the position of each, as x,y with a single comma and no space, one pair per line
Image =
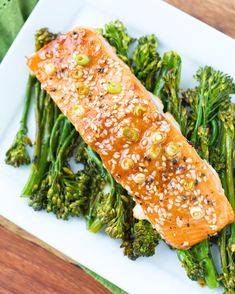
144,151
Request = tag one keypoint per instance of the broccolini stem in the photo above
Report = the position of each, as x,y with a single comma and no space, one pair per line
62,149
223,233
40,96
94,225
56,112
168,77
54,136
29,88
46,133
199,113
172,83
173,103
229,137
214,132
104,172
66,130
227,237
227,118
40,164
92,157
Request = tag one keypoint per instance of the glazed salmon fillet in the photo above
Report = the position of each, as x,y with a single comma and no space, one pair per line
145,152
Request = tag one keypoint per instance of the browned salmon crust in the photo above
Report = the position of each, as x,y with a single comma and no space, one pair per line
143,150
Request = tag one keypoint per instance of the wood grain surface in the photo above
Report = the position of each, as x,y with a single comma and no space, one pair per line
27,265
219,14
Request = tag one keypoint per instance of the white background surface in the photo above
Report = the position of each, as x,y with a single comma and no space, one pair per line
197,43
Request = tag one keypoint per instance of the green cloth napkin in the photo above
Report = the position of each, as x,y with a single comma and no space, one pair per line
13,14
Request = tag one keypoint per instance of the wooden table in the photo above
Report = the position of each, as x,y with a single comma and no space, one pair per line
28,265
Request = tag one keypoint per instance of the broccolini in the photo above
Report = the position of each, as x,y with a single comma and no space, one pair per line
227,237
146,61
140,240
18,154
116,34
195,271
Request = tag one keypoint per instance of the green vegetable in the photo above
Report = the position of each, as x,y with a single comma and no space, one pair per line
169,64
167,88
170,86
211,94
130,134
146,61
18,154
114,88
207,100
116,34
116,225
44,109
67,192
82,59
204,258
195,271
140,110
62,191
172,149
140,240
154,151
94,166
127,163
227,238
84,90
43,37
106,208
172,83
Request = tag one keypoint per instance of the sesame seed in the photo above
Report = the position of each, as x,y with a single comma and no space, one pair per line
185,243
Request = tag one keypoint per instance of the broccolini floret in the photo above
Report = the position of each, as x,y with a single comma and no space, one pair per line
171,78
68,193
116,225
146,61
141,240
195,271
42,37
116,34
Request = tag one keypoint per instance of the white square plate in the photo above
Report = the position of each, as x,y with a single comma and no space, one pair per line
197,43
